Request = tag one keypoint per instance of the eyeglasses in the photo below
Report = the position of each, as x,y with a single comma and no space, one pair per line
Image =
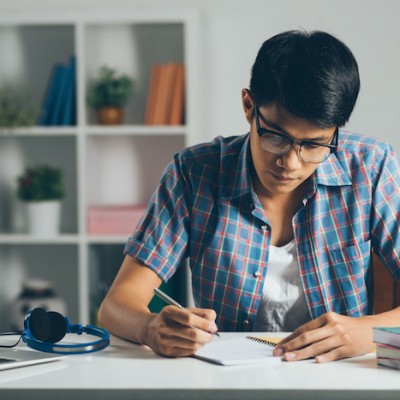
308,151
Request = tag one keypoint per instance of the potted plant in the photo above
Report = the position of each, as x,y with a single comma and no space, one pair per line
42,188
108,93
17,108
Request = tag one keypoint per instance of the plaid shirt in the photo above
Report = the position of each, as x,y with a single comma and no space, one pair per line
205,209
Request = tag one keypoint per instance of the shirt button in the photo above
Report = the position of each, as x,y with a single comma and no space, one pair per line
264,227
246,322
257,274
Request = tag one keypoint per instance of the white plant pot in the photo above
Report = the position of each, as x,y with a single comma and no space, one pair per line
43,217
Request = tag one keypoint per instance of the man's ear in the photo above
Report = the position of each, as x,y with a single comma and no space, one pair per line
248,104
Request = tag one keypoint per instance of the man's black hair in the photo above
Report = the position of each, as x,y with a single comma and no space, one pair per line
312,74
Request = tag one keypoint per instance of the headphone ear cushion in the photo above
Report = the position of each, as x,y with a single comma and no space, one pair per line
39,324
58,327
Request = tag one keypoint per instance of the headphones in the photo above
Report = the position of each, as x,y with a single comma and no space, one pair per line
42,330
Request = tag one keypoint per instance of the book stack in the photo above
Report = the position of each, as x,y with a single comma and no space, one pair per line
387,346
165,101
59,102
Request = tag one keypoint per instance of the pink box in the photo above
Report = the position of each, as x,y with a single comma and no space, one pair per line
113,220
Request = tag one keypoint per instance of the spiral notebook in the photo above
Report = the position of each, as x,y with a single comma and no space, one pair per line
238,351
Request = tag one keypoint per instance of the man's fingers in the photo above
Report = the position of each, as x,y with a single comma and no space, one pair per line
204,313
178,346
308,327
189,318
312,331
326,339
324,350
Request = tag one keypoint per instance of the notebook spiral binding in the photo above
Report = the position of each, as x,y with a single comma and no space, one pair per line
260,340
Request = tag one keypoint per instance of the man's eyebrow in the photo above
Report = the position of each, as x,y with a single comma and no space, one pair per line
278,128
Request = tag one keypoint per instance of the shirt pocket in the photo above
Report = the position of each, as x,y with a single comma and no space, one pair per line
350,267
353,259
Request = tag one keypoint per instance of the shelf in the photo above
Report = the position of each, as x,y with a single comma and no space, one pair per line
126,169
107,239
14,238
140,46
40,131
57,264
102,165
136,130
98,130
29,239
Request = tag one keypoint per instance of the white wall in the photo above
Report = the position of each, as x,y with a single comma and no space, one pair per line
369,27
233,31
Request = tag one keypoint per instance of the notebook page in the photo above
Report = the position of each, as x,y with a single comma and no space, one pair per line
236,351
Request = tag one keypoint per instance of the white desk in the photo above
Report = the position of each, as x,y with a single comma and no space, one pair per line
128,371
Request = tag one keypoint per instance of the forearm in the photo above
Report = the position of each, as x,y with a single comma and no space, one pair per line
124,311
125,316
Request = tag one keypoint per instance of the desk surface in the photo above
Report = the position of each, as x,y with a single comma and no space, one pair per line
128,371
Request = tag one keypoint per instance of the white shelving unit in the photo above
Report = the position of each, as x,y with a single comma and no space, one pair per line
102,165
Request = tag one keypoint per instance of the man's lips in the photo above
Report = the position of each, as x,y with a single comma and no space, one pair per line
282,178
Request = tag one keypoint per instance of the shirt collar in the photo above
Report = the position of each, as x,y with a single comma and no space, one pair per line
238,173
331,173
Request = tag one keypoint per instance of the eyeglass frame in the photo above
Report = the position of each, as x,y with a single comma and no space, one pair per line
263,131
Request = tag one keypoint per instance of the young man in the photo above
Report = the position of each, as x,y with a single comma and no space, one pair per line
278,224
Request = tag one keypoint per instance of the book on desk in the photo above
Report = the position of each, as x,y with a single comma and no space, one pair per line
387,340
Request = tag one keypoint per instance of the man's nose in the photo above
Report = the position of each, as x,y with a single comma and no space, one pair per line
291,159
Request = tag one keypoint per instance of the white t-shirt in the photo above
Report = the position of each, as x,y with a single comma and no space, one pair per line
283,305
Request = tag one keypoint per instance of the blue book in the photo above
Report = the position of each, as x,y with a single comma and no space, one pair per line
51,94
68,112
59,98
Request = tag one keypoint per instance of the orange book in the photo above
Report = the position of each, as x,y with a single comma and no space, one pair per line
164,94
152,94
176,116
172,77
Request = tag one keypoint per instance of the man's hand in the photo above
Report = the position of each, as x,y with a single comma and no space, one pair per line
327,338
176,332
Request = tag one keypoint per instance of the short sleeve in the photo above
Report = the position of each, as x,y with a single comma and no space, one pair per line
161,239
385,222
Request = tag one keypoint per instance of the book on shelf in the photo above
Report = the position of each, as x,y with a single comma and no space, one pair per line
176,115
59,103
152,94
164,94
56,110
165,101
53,87
387,335
68,112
